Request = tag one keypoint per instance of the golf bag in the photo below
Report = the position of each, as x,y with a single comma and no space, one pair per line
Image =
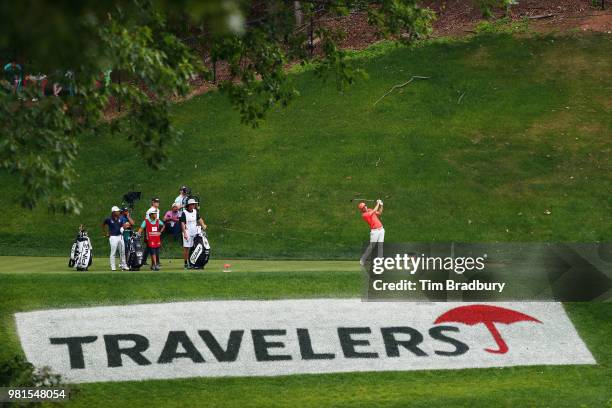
81,255
135,253
200,251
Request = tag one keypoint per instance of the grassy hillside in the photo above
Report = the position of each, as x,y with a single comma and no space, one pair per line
29,287
508,140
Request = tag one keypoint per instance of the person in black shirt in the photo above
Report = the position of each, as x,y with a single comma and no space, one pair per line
112,228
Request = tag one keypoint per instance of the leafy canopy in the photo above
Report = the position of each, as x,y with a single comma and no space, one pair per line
154,50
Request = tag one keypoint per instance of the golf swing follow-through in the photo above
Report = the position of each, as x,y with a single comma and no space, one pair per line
377,232
362,199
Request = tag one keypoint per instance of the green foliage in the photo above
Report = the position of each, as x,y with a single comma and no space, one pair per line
259,66
528,135
16,371
336,62
39,146
148,128
136,42
503,25
487,7
43,134
141,45
404,19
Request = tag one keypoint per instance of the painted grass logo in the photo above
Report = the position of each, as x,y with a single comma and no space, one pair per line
257,338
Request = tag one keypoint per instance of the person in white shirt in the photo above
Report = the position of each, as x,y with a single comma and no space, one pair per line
190,219
181,199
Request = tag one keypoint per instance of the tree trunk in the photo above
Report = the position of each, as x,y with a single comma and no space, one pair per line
299,14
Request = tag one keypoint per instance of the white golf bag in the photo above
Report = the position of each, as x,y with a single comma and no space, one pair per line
200,251
81,255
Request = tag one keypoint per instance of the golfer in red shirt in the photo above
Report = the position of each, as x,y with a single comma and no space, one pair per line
377,232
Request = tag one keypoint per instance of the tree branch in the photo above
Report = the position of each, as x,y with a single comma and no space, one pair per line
400,86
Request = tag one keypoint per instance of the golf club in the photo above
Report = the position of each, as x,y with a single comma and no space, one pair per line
362,199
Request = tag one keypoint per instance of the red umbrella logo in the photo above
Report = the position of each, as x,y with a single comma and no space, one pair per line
488,315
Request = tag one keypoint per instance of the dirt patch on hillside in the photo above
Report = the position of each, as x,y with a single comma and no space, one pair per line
598,21
459,18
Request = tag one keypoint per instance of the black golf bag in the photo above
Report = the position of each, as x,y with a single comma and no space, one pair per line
81,253
200,251
135,253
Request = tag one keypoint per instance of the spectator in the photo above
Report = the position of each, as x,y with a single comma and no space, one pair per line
38,80
127,222
13,74
172,221
154,228
155,205
57,89
189,223
181,199
69,78
112,228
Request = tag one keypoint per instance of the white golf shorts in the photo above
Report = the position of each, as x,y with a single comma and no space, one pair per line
377,235
188,243
191,232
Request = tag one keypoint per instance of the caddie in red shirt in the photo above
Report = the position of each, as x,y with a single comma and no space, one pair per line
377,232
154,228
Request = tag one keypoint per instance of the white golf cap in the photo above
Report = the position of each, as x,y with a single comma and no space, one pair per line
152,210
115,208
191,201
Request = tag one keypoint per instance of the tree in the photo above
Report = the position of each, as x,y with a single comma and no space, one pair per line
76,42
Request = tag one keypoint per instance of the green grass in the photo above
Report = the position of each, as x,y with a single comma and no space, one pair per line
56,265
28,286
506,130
